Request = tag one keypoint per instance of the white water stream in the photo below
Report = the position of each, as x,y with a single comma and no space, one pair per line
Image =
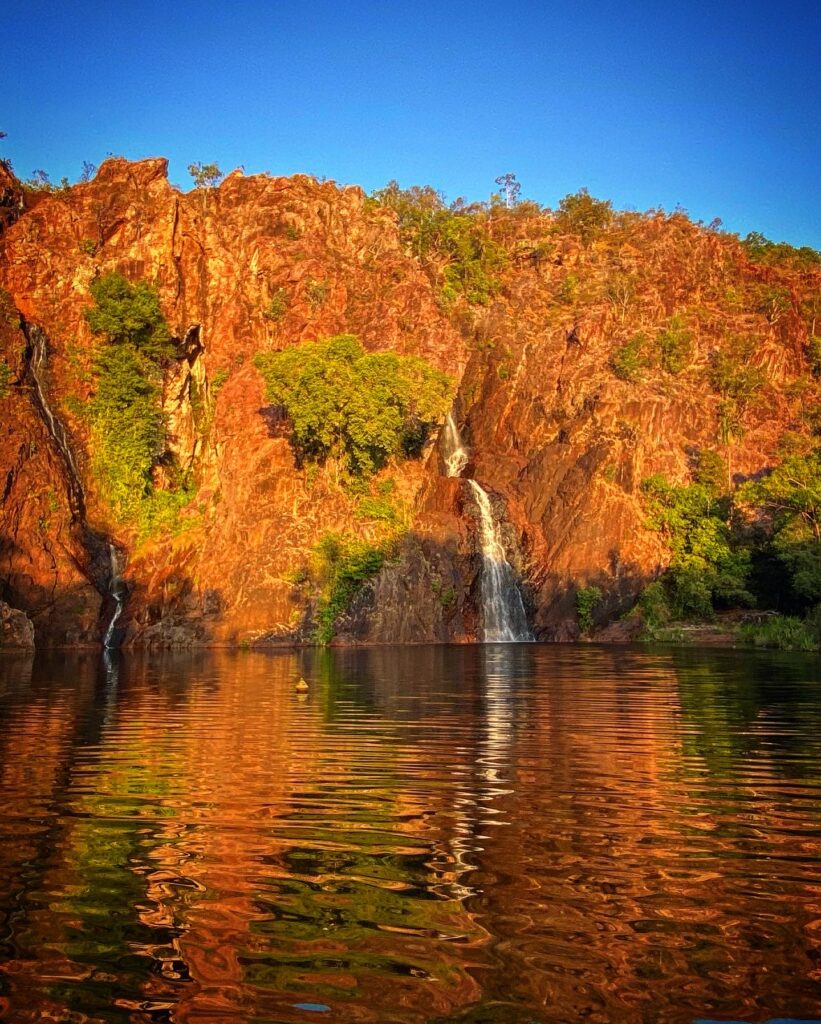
503,611
117,590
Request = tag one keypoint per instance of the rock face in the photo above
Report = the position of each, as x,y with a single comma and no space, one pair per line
16,630
559,442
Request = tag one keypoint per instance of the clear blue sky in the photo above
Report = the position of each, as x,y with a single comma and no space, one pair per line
714,106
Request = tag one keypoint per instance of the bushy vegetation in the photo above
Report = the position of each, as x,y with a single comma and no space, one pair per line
205,175
125,411
629,360
780,254
581,214
587,600
670,351
790,498
706,569
5,379
451,241
277,306
758,546
129,314
343,564
358,408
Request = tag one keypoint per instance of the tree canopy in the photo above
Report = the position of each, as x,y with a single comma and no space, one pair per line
361,408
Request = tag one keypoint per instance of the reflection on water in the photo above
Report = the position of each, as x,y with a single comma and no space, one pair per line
509,833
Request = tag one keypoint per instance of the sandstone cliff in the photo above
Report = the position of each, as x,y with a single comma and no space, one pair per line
559,441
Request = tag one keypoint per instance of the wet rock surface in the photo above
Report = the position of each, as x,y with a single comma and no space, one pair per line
16,629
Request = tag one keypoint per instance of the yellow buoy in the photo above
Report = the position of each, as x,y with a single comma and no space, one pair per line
301,686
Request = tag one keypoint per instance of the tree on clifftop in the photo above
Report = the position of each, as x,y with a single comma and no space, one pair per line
510,189
205,175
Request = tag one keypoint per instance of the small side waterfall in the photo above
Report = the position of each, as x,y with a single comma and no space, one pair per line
503,610
37,362
104,573
117,590
457,458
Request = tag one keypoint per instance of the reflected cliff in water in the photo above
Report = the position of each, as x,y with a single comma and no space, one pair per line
485,833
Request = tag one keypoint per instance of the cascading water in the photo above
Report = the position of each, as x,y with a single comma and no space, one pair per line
106,579
37,361
503,611
117,590
457,458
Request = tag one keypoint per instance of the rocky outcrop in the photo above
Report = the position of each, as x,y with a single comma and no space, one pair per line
16,629
559,441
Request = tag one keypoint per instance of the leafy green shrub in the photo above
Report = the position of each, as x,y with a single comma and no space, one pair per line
129,314
159,512
5,379
711,471
205,175
344,565
730,373
88,246
629,360
219,380
277,307
568,290
356,407
382,505
587,600
675,345
773,301
128,430
653,605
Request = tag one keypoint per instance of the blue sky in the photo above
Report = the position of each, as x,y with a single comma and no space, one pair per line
713,106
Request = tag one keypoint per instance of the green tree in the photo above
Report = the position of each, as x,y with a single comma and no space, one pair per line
126,313
791,496
580,214
205,175
510,189
587,600
125,411
706,567
356,407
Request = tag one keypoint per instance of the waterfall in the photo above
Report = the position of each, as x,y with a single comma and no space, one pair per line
502,605
38,358
503,610
456,461
105,578
116,588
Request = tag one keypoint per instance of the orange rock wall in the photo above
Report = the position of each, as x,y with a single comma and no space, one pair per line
558,440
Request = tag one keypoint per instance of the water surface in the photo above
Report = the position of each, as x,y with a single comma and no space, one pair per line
508,833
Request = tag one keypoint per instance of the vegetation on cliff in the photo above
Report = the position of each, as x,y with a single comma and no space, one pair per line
758,546
125,411
355,407
602,348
